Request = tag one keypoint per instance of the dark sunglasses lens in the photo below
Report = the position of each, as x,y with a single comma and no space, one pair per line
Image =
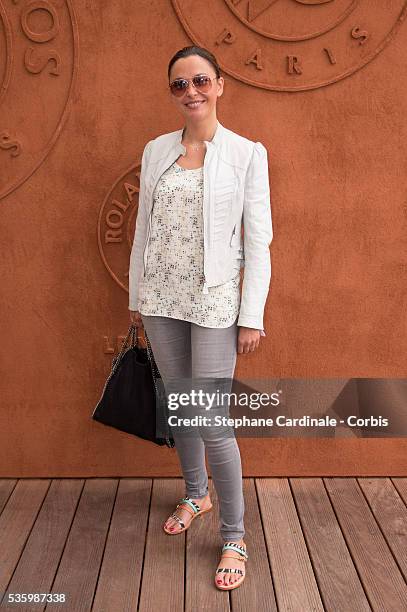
202,83
179,87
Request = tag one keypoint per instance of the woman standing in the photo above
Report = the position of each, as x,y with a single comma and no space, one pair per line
197,186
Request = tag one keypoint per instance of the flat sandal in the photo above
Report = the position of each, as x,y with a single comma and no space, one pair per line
192,507
242,556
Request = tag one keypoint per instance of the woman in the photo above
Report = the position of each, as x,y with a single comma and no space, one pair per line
197,185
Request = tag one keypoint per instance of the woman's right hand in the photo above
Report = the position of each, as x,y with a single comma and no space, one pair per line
135,317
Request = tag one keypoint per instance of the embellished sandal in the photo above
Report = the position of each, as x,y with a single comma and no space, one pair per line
241,556
193,508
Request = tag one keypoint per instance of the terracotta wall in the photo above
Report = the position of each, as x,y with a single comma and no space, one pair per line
83,87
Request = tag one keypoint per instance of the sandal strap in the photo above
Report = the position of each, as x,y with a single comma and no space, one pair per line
185,504
177,518
194,505
184,507
237,548
226,556
229,570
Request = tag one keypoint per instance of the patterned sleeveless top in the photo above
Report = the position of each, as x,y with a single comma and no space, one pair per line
172,286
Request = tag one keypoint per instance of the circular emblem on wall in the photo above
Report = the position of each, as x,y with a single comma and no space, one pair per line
117,223
38,64
291,45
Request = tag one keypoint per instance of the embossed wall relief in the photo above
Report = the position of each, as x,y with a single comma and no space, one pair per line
116,225
291,45
282,45
38,64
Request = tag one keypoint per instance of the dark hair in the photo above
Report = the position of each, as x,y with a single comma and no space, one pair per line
192,50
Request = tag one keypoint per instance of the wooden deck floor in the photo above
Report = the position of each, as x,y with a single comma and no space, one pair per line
336,544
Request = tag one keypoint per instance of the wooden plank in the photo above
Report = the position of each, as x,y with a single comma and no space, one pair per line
6,488
380,576
16,521
401,486
338,581
202,553
162,586
37,566
294,580
79,567
257,591
390,513
120,575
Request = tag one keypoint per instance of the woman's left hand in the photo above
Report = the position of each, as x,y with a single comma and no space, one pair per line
248,339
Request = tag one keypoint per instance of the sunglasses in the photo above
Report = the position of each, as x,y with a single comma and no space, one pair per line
201,82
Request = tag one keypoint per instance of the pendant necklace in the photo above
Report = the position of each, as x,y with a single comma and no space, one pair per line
195,146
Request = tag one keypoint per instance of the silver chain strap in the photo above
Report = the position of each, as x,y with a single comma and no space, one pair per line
117,360
156,374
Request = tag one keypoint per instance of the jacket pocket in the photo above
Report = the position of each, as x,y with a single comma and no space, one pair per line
233,236
223,199
236,238
236,249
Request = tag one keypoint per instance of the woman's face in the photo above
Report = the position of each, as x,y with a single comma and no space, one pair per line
186,68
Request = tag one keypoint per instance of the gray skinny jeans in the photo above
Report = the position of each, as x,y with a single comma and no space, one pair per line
185,352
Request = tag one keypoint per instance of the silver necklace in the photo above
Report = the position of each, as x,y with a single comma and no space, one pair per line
195,146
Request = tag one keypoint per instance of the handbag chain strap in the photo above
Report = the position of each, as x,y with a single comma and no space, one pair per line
116,360
156,374
134,342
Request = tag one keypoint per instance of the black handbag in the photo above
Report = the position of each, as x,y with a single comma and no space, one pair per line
133,399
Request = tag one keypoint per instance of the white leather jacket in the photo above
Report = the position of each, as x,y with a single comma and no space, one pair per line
236,196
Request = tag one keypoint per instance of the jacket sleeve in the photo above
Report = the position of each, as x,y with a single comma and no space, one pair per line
136,257
258,234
